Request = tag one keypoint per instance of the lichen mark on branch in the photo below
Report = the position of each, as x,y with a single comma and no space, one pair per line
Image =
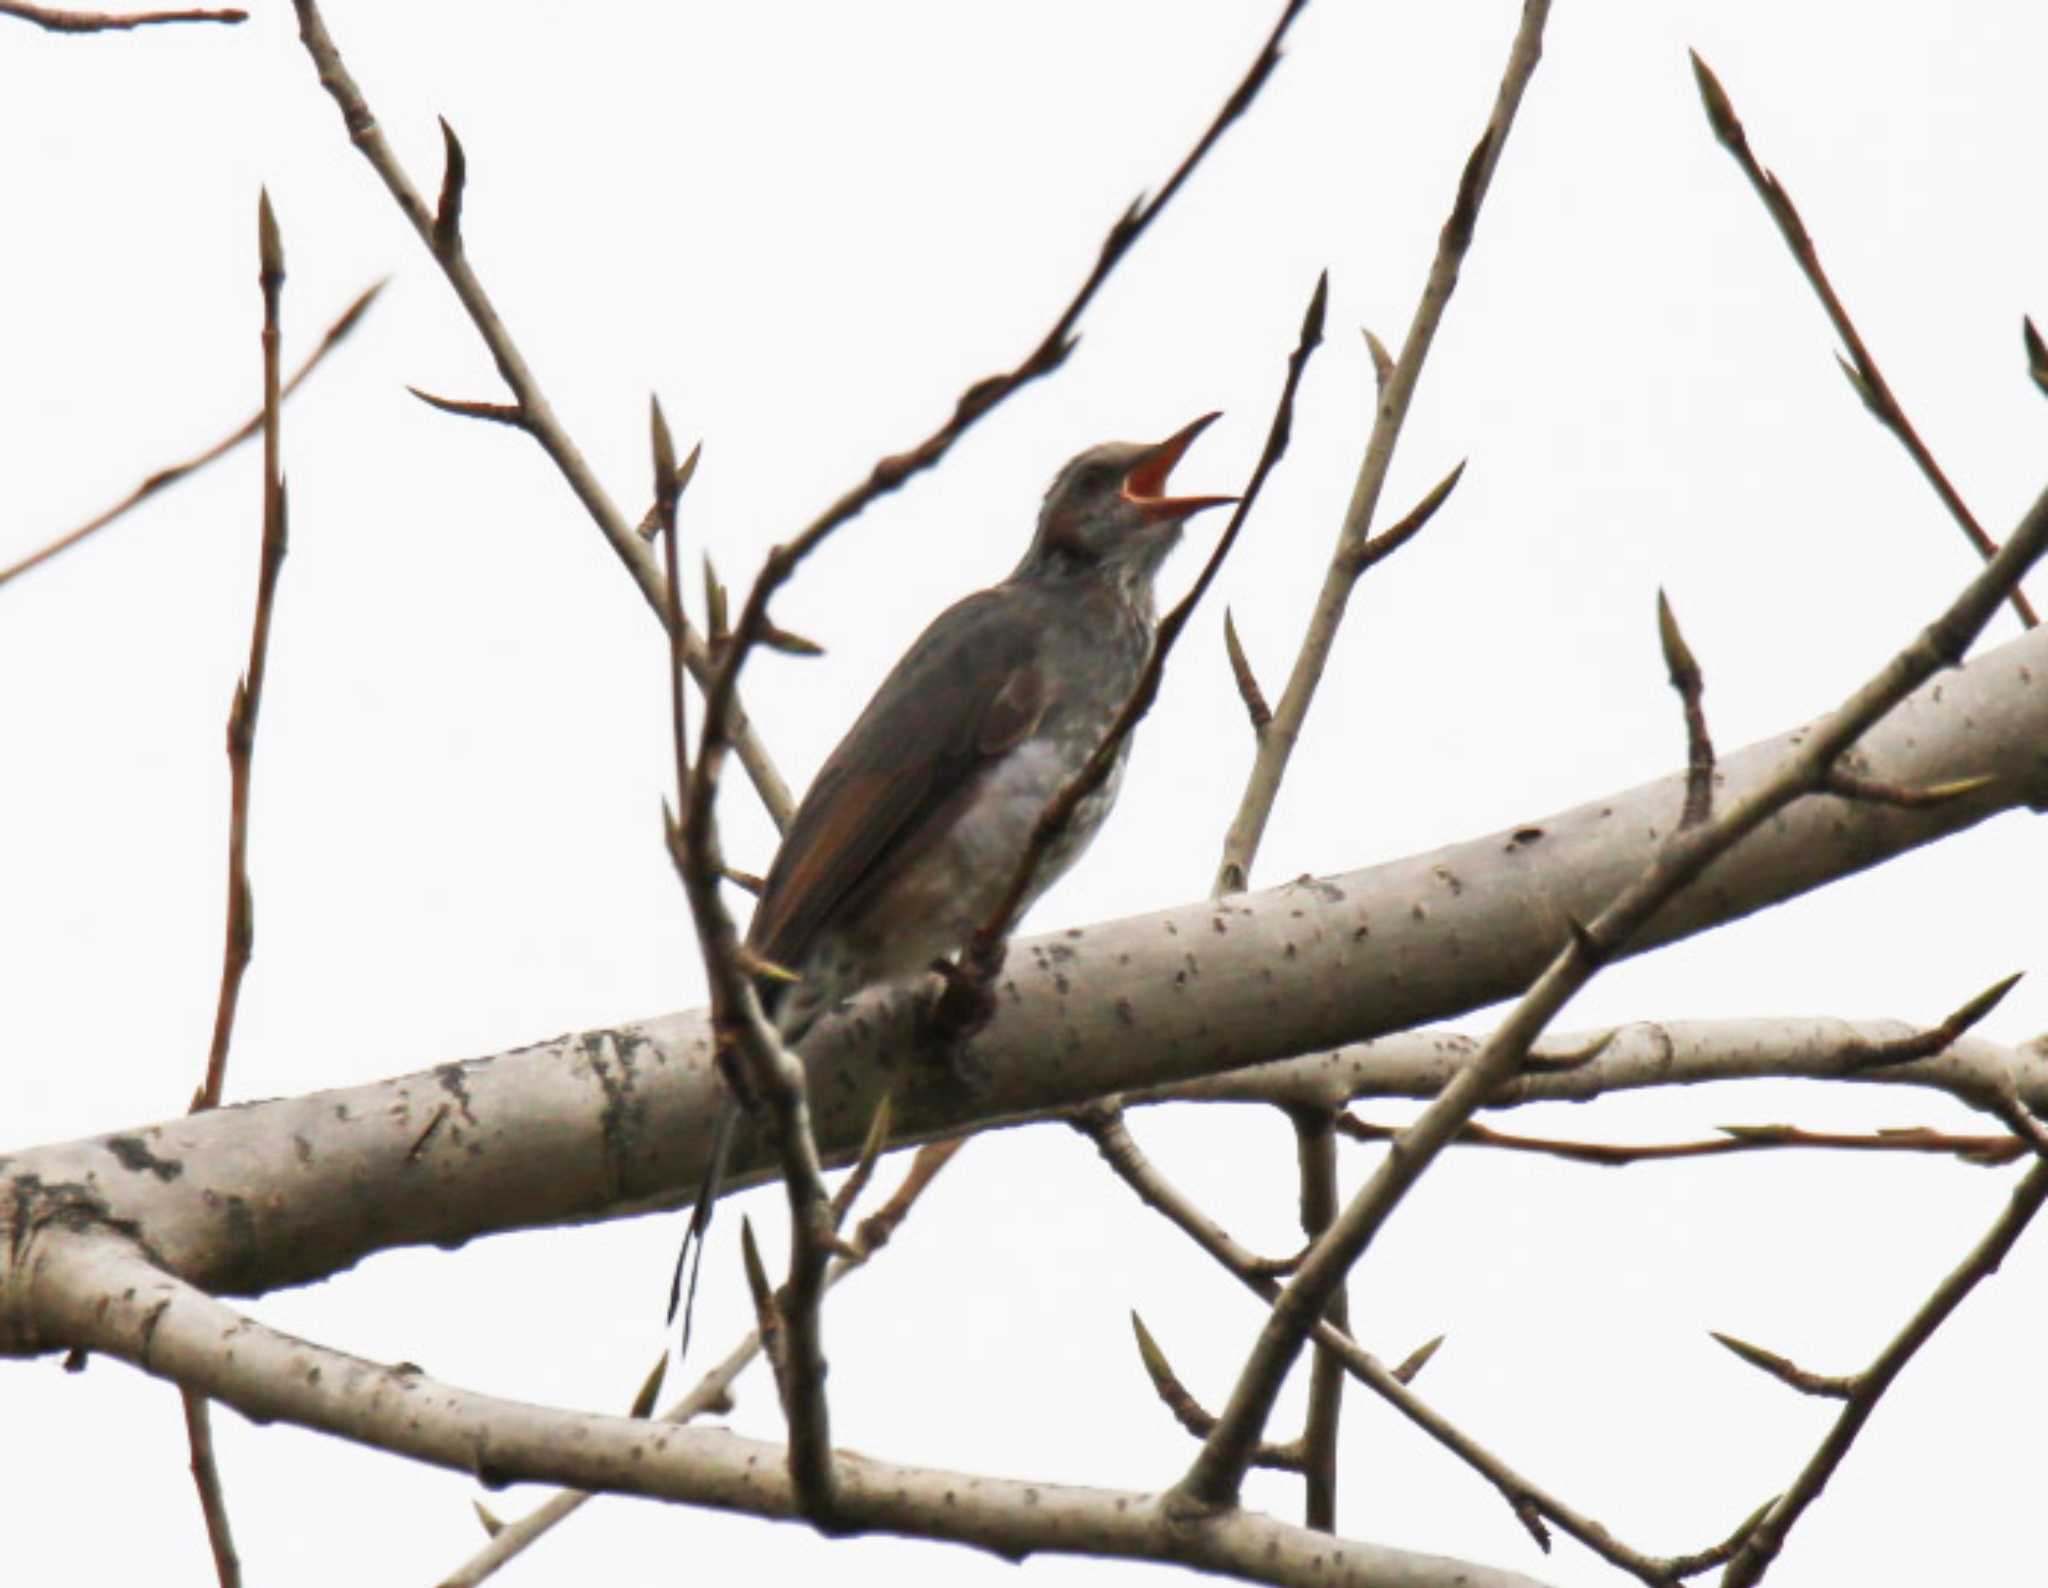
1864,376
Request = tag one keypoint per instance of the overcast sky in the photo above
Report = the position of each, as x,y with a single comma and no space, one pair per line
808,227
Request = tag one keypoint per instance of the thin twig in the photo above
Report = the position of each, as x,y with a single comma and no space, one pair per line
1532,1505
1217,1472
1691,684
1197,1419
1761,1547
1864,375
55,20
248,699
334,335
1315,1143
241,924
1397,388
220,1537
713,1391
1248,689
1983,1151
537,415
1825,1386
1858,1057
1059,811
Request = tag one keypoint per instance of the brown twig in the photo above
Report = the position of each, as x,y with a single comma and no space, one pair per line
1197,1419
1052,350
537,416
1059,811
53,20
1983,1151
241,924
1315,1142
1864,375
334,335
1691,684
1787,1372
1760,1548
1217,1472
248,699
714,1390
220,1537
1397,389
2037,352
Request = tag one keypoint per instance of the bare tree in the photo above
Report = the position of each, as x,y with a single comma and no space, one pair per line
1310,1001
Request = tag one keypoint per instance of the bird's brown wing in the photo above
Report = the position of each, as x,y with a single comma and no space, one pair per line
966,693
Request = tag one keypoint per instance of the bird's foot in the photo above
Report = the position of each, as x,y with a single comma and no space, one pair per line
965,1004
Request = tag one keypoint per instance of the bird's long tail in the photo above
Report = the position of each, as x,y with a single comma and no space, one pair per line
700,1220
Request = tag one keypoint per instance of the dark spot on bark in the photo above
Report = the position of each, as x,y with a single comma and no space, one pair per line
455,1082
135,1156
1124,1013
1525,835
302,1149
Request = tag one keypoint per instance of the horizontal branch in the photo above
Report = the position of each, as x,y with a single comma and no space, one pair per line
100,1291
605,1123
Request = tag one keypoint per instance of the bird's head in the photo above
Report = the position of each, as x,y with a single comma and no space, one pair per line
1108,512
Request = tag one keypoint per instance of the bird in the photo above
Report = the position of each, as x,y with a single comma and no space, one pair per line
913,829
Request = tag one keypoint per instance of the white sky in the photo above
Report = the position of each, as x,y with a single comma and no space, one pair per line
809,226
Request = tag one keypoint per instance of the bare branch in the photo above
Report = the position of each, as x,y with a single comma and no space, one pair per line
98,1290
713,1392
1859,366
1924,1045
1059,812
1761,1546
332,338
1397,389
1691,684
1787,1372
53,20
1983,1151
1247,684
537,415
1217,1472
1315,1141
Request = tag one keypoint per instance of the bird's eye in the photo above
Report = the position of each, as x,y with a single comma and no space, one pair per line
1099,477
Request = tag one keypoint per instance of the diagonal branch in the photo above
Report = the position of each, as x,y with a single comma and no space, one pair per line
334,335
1214,1478
1277,738
1859,366
1058,814
714,1389
1754,1558
444,242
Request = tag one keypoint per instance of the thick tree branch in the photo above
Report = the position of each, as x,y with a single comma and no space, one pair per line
606,1122
97,1286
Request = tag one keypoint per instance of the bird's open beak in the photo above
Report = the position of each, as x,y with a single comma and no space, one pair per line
1145,485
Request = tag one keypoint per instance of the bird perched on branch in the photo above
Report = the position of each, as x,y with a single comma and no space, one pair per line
911,834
